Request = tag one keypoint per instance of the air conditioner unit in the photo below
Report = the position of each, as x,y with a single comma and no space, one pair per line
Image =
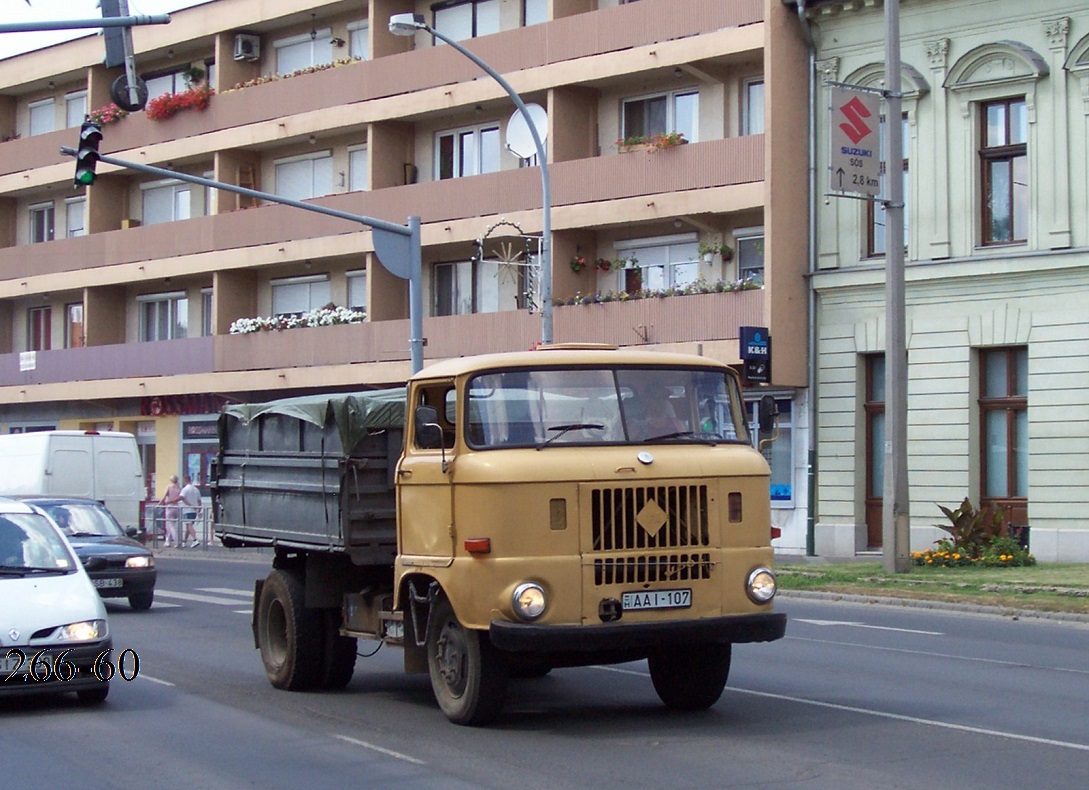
247,47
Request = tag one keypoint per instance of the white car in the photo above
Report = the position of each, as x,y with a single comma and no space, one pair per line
54,634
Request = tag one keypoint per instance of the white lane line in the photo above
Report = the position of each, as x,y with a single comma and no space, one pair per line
194,597
864,625
380,750
143,676
1081,747
243,611
227,591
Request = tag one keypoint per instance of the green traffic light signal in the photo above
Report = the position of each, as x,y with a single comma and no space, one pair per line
90,135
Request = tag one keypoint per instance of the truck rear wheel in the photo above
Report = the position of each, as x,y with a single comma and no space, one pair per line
690,677
289,634
468,675
338,659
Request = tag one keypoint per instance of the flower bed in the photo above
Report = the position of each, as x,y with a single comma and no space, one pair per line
322,316
698,287
166,106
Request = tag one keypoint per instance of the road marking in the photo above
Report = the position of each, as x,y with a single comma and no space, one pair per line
198,598
1081,747
227,591
853,624
145,676
380,750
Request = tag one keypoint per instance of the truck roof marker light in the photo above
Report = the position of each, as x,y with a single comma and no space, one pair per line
478,546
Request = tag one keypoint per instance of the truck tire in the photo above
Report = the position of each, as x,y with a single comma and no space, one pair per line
690,677
338,657
288,633
468,675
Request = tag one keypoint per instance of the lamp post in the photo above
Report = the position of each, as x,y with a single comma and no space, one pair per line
407,25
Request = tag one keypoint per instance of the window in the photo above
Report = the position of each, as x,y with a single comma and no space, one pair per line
875,210
39,328
661,114
43,116
357,290
75,108
461,19
206,329
358,177
664,262
75,210
780,453
750,254
41,223
163,84
874,408
304,177
166,201
302,52
298,295
452,288
359,45
467,152
73,325
1004,169
163,316
1003,407
752,112
534,12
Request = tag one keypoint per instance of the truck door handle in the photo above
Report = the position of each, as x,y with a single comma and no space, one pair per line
404,473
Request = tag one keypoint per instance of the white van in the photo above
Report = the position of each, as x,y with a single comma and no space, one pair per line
97,465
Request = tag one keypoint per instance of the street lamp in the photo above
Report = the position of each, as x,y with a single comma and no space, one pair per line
407,25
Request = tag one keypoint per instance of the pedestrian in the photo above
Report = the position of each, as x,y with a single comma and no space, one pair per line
190,496
170,502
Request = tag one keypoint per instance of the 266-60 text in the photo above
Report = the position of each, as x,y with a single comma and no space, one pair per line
45,665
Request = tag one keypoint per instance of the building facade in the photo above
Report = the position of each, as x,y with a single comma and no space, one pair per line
995,155
672,136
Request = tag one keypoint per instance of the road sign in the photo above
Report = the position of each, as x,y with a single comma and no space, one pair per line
855,159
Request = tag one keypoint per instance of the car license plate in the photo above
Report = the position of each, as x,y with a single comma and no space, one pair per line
11,663
115,582
657,599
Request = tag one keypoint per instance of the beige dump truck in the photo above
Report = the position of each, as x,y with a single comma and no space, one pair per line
504,515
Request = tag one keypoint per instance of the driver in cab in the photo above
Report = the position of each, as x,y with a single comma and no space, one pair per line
648,411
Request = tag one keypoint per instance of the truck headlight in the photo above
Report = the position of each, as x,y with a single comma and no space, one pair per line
761,585
529,601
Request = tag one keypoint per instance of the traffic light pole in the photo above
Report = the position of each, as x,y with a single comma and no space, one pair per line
396,246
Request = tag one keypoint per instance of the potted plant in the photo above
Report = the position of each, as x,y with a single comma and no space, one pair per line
708,251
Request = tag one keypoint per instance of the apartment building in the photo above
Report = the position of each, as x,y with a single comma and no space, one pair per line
117,301
995,155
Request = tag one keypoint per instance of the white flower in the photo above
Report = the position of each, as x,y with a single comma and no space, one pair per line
322,316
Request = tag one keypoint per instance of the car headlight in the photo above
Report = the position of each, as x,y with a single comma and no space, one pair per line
761,585
83,631
529,601
142,561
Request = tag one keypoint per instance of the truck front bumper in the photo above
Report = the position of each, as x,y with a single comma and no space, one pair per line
528,637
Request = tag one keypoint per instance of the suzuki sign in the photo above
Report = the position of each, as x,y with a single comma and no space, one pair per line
855,135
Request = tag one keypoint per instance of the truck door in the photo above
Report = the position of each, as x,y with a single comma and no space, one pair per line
425,514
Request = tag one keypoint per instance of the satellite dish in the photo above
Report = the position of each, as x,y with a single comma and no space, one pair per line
519,136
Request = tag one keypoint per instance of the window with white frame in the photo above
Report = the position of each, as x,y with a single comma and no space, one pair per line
304,177
303,51
357,290
164,84
43,116
73,325
752,111
467,152
358,166
750,254
452,288
165,201
39,328
461,19
780,453
206,329
163,316
75,219
359,45
534,12
41,222
298,295
661,113
661,262
75,108
476,286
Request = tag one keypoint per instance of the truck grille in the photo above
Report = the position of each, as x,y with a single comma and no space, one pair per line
649,517
652,568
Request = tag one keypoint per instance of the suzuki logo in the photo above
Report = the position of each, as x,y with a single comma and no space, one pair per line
854,111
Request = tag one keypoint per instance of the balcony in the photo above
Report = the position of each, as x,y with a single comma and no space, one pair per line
678,319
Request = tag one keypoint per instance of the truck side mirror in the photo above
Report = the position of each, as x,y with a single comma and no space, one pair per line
428,430
768,410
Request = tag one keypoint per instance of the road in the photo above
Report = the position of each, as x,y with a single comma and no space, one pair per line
856,696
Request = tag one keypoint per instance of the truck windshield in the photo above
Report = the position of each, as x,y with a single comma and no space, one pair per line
580,406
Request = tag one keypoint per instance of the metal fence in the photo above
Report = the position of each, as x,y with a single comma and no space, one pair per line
169,525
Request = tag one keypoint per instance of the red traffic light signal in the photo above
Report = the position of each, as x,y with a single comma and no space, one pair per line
90,135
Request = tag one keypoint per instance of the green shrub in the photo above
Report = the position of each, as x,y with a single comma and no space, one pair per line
978,538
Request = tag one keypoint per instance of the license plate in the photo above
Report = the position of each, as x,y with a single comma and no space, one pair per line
106,582
657,599
11,663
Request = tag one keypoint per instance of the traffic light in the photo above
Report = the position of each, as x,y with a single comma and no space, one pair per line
90,135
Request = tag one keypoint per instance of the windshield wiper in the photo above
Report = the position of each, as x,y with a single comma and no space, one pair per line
566,427
23,570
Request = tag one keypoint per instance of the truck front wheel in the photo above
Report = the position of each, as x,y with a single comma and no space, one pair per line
691,677
290,635
468,675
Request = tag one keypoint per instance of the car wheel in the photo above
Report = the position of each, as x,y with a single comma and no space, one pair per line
93,696
288,633
468,675
690,677
141,600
